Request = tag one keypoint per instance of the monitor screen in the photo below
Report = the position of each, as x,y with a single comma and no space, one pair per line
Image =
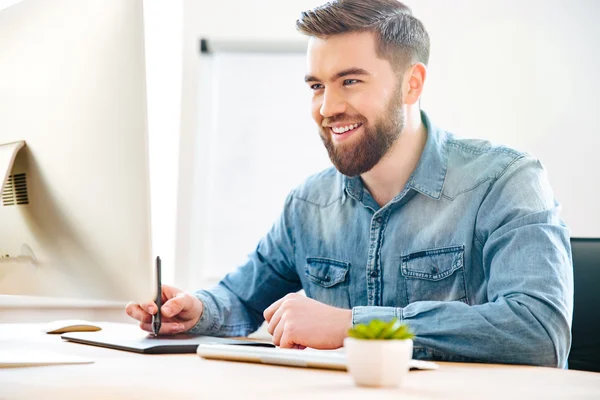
75,208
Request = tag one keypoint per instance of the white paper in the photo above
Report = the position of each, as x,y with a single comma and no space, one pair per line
15,358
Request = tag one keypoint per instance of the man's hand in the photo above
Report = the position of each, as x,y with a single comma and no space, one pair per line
298,321
180,311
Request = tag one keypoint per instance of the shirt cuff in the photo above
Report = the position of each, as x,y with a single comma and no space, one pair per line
208,322
363,315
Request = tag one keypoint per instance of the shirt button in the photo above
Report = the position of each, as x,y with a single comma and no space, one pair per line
379,220
374,273
434,270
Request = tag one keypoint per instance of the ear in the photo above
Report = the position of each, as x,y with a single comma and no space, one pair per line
414,81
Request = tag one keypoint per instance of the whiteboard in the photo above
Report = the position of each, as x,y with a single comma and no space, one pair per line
260,141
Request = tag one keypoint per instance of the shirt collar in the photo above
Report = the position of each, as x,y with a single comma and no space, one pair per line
428,178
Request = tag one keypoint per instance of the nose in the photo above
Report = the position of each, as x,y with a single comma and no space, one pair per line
333,104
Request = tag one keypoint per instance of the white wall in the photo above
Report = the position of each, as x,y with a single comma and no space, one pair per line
163,23
518,73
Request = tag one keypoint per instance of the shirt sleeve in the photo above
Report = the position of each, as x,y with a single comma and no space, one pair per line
526,255
235,306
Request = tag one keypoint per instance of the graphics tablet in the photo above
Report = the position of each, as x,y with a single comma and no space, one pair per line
147,343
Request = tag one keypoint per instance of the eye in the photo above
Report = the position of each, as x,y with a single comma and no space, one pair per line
350,81
316,86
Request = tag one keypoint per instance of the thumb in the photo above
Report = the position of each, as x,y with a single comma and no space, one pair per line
181,302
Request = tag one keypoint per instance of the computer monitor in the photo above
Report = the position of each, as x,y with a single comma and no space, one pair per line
75,209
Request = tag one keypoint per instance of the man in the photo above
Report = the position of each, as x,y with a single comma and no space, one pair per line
460,239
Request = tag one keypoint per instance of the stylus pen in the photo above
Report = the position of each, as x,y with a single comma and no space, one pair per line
156,317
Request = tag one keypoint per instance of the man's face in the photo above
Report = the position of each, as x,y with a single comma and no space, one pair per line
357,100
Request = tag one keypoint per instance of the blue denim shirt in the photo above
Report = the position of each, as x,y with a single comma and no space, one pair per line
472,254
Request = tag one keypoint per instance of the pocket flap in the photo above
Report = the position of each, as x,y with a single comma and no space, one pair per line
433,264
326,272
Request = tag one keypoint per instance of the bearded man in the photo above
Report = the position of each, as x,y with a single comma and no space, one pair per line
461,239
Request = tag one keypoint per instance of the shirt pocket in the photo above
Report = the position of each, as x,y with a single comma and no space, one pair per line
327,281
435,275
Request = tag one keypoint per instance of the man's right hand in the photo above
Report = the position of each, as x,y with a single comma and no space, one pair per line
180,311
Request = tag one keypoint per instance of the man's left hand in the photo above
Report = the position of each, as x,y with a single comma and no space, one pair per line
298,321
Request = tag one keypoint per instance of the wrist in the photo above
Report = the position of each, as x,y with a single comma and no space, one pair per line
199,306
205,314
346,324
348,320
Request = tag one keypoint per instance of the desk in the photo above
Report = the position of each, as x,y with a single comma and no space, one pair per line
122,375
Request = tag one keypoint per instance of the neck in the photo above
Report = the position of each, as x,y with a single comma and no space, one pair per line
389,177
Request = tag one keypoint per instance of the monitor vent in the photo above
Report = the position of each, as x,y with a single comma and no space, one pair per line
15,191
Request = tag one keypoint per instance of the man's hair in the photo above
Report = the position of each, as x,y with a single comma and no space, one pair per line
401,38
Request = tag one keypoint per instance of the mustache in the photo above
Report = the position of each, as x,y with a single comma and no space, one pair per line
342,117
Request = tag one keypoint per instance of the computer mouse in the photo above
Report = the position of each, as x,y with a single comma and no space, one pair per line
70,325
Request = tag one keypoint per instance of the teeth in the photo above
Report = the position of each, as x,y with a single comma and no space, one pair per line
343,129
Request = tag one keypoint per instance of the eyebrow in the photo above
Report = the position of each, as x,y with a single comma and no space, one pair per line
341,74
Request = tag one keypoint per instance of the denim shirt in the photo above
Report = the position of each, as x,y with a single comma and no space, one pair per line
472,255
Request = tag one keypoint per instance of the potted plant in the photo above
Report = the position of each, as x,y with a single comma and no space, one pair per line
379,352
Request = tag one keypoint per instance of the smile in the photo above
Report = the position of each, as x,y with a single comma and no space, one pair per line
343,129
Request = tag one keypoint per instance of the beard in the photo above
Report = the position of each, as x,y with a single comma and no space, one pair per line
358,155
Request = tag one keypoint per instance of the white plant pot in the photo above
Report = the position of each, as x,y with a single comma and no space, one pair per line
378,362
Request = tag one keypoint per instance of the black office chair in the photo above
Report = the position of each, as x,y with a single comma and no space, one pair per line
585,349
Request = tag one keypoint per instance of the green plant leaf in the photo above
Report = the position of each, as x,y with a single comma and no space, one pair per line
390,329
403,333
359,332
376,327
381,330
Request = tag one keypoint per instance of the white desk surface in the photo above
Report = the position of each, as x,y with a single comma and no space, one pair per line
122,375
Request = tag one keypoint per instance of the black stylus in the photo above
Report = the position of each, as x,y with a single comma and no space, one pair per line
156,319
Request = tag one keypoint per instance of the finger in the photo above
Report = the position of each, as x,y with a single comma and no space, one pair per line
268,314
286,341
275,320
175,305
135,311
168,292
169,328
149,307
279,331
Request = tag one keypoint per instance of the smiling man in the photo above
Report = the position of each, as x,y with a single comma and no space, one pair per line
461,239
